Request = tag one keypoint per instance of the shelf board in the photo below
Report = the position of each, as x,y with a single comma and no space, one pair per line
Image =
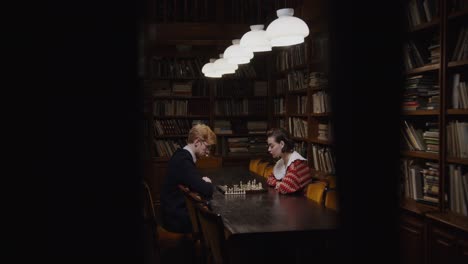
242,135
298,115
457,111
240,116
318,141
450,218
425,68
183,117
457,63
420,112
457,14
420,154
169,136
241,97
458,161
173,78
435,22
320,114
180,97
300,91
416,207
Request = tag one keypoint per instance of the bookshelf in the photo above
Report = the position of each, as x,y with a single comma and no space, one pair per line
434,132
300,99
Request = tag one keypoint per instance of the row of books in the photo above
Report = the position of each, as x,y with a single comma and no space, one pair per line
180,107
421,93
241,145
321,102
422,11
180,88
458,184
227,127
299,127
461,48
183,11
324,131
241,88
417,139
300,104
421,180
175,126
292,56
323,159
457,139
418,55
176,67
165,148
459,93
278,106
231,107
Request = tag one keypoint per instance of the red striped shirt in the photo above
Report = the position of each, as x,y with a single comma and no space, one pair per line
296,178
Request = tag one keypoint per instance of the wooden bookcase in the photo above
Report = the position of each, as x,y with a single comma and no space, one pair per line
300,99
429,189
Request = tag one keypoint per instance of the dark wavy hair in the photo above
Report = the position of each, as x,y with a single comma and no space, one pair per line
282,134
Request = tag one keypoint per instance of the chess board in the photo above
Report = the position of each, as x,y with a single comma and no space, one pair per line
223,190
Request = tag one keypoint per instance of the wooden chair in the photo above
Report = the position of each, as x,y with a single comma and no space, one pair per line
331,199
209,162
212,227
161,238
191,200
253,164
331,180
315,191
268,170
261,167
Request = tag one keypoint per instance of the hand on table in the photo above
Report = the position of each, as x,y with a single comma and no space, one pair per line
206,179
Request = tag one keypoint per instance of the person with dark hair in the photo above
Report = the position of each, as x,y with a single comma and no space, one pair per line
182,170
291,172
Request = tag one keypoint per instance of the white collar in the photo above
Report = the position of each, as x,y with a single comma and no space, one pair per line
280,169
191,153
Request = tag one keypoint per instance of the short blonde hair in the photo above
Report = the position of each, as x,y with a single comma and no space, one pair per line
202,131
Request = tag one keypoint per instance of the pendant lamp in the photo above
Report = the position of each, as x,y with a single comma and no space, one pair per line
222,66
235,54
209,71
256,39
287,30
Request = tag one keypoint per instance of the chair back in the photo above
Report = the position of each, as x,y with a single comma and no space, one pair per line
331,180
209,162
191,199
253,164
268,170
261,167
331,199
315,191
213,230
150,216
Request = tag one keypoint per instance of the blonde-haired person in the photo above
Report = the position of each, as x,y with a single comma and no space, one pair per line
182,170
291,172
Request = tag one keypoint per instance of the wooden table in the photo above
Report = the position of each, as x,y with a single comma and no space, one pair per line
269,217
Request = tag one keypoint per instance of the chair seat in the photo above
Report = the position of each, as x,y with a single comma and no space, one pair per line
170,238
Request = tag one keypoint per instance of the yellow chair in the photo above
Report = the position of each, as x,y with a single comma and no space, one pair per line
315,191
209,162
331,181
261,167
331,199
253,164
268,170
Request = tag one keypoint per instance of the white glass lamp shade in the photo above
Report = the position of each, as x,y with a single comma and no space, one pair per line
209,71
256,39
286,30
235,54
222,66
